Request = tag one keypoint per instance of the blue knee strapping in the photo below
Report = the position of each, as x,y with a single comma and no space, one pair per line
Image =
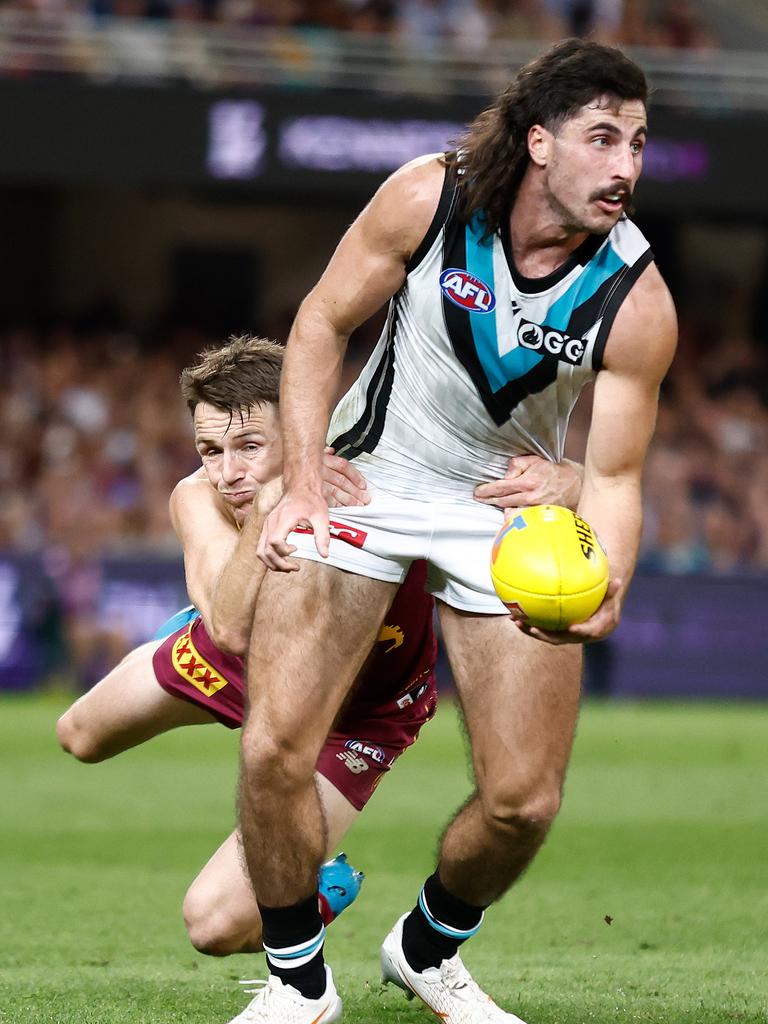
176,621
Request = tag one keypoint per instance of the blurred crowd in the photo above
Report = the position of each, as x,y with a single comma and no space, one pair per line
706,476
96,437
465,25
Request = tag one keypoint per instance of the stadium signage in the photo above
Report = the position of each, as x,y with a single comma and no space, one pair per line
315,144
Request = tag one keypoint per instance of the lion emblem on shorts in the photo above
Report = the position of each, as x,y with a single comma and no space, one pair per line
391,634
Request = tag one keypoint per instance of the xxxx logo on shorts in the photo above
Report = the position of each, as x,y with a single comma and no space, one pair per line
191,666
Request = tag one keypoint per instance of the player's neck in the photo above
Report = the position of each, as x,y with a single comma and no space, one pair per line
541,242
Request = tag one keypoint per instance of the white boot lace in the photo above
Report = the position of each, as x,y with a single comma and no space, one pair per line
268,993
261,982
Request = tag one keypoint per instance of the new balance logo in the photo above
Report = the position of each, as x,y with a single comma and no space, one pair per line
355,763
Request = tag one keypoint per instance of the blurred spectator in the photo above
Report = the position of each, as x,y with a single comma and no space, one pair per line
598,19
424,25
303,40
679,24
373,16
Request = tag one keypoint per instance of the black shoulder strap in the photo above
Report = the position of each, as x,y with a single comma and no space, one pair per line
444,208
619,291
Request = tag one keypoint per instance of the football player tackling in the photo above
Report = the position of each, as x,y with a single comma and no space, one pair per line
195,675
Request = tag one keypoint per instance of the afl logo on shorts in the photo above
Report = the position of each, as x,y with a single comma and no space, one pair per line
467,291
369,749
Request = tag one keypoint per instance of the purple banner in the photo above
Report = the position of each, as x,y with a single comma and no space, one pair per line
680,637
691,636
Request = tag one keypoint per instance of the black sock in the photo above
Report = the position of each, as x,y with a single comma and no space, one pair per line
425,942
300,929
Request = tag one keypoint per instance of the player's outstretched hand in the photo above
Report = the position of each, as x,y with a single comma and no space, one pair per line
295,508
342,483
603,622
531,480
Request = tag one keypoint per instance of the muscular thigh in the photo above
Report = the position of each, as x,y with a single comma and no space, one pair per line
520,697
312,632
129,706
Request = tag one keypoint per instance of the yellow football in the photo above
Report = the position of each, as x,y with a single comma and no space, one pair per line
547,563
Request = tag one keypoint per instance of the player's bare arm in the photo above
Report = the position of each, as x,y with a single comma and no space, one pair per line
532,480
223,572
208,537
637,356
367,268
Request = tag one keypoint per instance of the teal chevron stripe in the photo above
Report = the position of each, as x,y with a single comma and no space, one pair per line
498,369
602,266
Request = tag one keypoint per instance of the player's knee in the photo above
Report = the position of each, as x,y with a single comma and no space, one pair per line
273,762
526,813
76,739
211,930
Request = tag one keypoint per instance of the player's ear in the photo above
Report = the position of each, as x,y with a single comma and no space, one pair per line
539,145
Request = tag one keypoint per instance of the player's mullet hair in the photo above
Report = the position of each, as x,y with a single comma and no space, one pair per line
236,376
492,155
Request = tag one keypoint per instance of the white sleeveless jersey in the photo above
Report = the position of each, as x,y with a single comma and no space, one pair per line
477,363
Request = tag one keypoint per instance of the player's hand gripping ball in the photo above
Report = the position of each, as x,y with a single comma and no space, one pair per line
548,565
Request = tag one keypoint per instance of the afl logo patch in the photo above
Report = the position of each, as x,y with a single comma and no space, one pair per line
467,291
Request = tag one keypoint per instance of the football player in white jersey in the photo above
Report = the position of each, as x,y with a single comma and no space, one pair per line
515,277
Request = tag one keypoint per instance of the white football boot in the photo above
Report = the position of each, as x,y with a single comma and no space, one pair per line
449,990
278,1003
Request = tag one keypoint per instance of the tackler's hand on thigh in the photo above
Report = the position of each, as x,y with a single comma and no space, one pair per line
596,627
342,483
300,507
532,480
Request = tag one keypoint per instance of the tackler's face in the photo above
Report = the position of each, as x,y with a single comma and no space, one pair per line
240,452
592,163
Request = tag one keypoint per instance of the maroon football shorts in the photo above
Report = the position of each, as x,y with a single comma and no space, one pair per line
367,742
367,738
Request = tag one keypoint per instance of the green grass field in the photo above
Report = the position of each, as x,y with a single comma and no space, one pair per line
664,833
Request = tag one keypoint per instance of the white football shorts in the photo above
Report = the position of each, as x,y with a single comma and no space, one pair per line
381,540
